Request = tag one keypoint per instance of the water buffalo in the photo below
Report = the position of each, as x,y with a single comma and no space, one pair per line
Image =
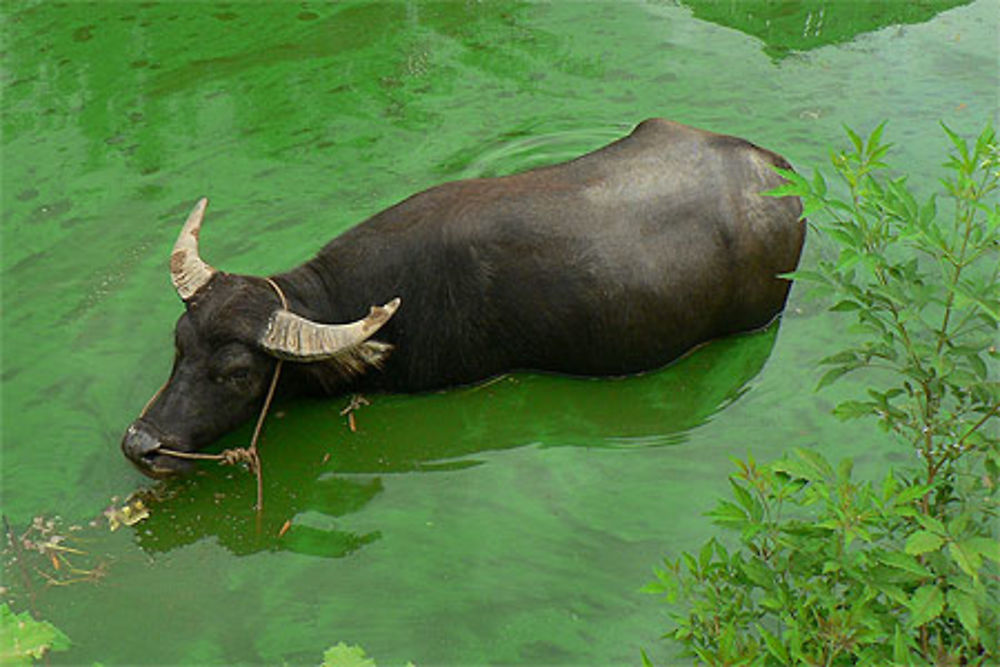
613,263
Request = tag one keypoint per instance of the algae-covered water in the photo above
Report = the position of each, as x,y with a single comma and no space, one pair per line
508,523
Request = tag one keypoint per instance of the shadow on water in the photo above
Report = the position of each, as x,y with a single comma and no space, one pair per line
316,469
787,26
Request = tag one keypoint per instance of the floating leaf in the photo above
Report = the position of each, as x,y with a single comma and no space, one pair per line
129,514
23,639
344,655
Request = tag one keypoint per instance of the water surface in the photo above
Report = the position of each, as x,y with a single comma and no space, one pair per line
509,523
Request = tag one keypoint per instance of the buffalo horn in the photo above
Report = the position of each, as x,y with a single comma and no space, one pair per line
290,336
187,270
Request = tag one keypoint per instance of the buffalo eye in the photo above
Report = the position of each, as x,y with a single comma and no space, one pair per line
233,365
238,375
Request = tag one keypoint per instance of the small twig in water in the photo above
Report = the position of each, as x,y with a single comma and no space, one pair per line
357,402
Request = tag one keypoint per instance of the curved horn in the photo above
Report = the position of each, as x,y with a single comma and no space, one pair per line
292,337
187,270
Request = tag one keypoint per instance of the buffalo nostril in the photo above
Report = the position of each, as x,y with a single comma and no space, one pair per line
139,444
143,444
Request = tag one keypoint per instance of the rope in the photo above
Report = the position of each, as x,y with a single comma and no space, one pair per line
248,455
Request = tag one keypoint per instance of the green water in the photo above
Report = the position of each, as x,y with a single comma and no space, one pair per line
509,523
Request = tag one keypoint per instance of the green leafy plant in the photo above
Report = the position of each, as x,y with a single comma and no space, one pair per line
925,293
828,570
23,639
348,655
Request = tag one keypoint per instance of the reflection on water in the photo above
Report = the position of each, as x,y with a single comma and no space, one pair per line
316,469
800,25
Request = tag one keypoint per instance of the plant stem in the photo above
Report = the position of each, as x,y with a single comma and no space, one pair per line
959,264
975,427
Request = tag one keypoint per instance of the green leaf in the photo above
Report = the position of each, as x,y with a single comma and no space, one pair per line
931,524
875,137
959,143
758,573
727,513
742,496
957,525
842,357
964,295
705,555
978,366
853,409
805,274
845,305
905,562
904,510
928,212
832,376
785,190
807,465
894,593
855,139
23,639
965,608
900,652
653,588
691,564
926,605
831,565
646,662
966,556
985,547
844,469
819,184
889,484
774,645
986,142
923,542
815,460
789,175
845,238
343,655
796,184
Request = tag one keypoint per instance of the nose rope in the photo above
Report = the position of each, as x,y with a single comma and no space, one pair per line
248,455
152,400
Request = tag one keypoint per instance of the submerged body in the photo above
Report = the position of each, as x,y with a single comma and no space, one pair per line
613,263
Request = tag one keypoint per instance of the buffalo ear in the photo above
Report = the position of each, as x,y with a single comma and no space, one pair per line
188,272
295,338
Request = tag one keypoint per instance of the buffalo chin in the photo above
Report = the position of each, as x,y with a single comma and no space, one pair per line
162,466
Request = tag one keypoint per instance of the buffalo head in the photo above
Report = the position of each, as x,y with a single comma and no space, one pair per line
229,339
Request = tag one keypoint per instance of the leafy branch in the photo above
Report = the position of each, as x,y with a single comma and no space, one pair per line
829,570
